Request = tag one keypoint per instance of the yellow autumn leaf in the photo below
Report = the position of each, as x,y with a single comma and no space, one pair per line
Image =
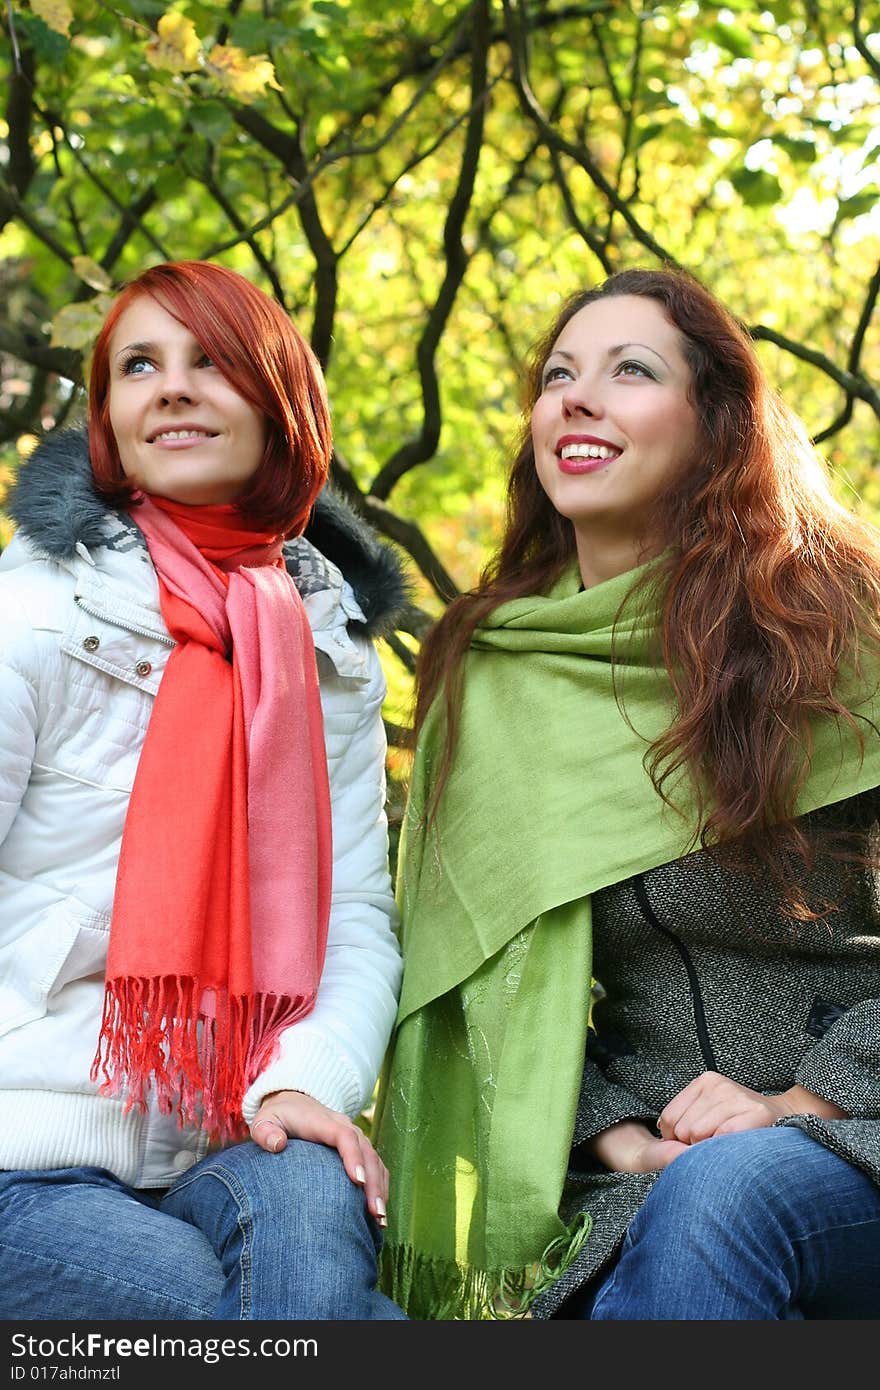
176,49
57,14
91,274
243,76
76,325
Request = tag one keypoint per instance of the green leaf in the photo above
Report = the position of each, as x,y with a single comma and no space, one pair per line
858,204
332,11
49,46
77,325
800,152
733,39
756,187
145,120
92,274
645,134
211,119
673,129
169,184
784,11
256,34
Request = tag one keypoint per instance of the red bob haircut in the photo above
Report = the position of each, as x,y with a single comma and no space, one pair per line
262,354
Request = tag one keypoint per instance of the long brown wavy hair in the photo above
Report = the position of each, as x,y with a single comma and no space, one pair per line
771,584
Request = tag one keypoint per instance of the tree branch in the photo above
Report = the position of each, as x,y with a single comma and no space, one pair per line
854,358
12,206
397,735
407,534
20,119
852,384
860,43
28,348
425,445
402,652
554,140
247,235
130,219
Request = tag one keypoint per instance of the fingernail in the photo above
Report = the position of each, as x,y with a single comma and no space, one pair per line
276,1143
383,1222
360,1173
380,1206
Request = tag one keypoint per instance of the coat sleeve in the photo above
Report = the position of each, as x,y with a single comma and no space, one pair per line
602,1102
844,1065
18,707
335,1052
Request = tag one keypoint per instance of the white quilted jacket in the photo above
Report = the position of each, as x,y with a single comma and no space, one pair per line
82,651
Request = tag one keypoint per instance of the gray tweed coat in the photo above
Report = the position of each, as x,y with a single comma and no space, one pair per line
702,972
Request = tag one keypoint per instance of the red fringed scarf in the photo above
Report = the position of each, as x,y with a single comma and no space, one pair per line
222,900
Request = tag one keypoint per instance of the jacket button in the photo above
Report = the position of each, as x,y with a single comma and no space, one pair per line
91,644
183,1160
144,668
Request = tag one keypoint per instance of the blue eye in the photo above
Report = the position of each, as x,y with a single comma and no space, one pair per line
137,366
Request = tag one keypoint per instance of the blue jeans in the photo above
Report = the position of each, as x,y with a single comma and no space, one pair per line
243,1235
763,1225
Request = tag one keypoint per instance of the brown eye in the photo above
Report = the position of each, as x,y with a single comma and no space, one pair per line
555,374
633,368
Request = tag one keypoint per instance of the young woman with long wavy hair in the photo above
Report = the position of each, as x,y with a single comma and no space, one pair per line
636,1067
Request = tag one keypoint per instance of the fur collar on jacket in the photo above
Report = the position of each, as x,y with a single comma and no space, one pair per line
55,505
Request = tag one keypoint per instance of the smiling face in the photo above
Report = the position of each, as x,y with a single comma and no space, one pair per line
613,428
181,429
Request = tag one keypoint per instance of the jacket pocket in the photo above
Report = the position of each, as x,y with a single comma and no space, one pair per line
31,965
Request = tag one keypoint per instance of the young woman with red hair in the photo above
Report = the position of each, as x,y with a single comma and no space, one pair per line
196,919
636,1067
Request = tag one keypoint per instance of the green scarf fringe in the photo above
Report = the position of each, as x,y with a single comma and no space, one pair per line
436,1289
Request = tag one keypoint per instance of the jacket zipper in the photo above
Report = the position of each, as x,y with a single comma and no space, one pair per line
124,622
696,998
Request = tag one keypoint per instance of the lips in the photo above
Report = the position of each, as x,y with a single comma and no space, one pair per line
579,453
578,446
180,433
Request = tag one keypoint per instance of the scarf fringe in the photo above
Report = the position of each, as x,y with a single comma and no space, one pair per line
157,1036
428,1288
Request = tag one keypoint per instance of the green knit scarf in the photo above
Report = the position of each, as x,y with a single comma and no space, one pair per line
548,801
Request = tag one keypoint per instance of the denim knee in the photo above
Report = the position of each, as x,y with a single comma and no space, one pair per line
743,1173
304,1175
314,1176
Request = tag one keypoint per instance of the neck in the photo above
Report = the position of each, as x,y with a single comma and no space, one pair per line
605,557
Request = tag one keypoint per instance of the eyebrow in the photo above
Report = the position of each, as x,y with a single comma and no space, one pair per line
614,352
136,347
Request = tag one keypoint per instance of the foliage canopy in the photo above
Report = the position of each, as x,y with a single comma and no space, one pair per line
421,185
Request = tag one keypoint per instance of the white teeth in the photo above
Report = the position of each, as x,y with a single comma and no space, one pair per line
587,451
182,434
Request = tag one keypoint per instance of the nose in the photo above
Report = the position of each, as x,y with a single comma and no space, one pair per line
579,398
177,385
